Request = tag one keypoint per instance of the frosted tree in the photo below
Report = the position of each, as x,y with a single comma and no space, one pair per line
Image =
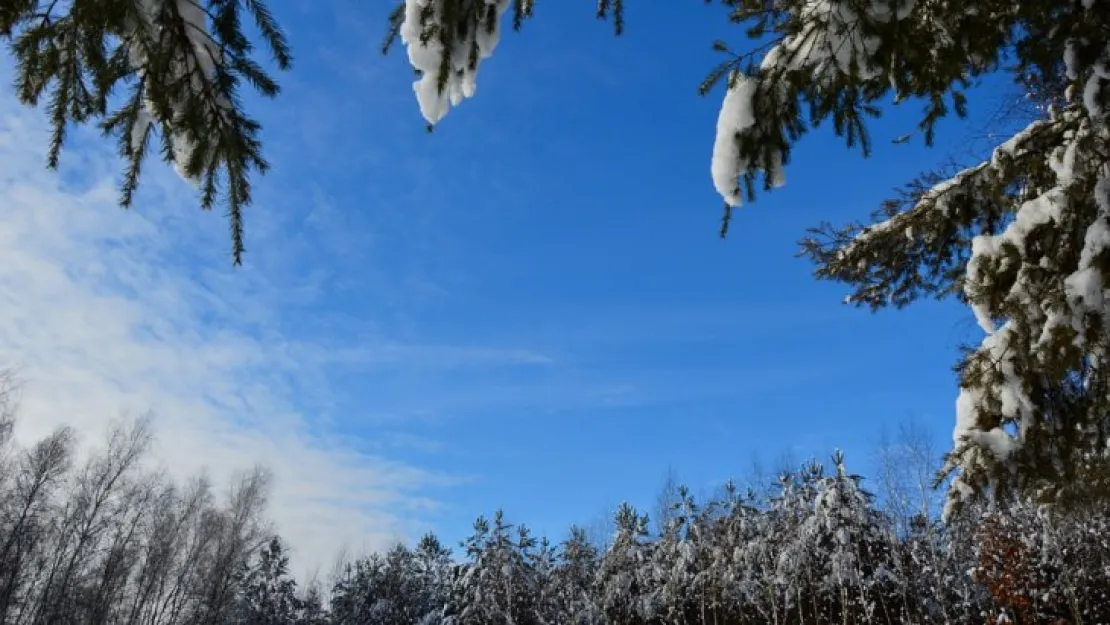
679,558
740,568
793,569
1011,568
542,593
383,588
136,68
574,580
625,587
433,571
311,607
1078,550
852,542
354,592
496,585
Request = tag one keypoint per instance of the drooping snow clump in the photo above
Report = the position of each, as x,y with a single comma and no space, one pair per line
830,44
446,60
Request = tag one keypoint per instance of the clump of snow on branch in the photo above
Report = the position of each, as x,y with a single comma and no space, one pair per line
735,118
830,43
421,33
195,69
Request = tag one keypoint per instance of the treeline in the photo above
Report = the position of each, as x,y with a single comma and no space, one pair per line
105,540
102,539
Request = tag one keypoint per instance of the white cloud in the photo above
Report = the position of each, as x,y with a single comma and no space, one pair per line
103,310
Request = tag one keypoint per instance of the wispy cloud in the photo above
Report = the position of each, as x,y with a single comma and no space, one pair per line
104,311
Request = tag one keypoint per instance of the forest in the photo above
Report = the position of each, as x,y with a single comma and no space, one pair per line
100,536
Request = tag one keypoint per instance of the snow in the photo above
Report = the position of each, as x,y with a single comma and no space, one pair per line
830,43
1071,59
1085,288
1092,91
831,40
1062,160
987,250
140,129
736,116
200,67
426,54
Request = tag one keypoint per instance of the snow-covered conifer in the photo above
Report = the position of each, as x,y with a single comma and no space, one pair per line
433,572
496,584
574,580
676,560
626,592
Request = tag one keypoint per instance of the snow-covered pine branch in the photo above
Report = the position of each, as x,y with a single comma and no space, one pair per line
824,49
1023,238
447,40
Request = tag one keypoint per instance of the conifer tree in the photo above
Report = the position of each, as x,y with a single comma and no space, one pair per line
434,569
268,594
624,581
678,556
1022,237
496,585
311,608
136,68
575,580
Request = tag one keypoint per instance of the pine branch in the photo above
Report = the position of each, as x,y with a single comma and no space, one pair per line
78,54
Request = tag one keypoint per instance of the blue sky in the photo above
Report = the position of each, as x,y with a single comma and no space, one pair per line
566,211
529,308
